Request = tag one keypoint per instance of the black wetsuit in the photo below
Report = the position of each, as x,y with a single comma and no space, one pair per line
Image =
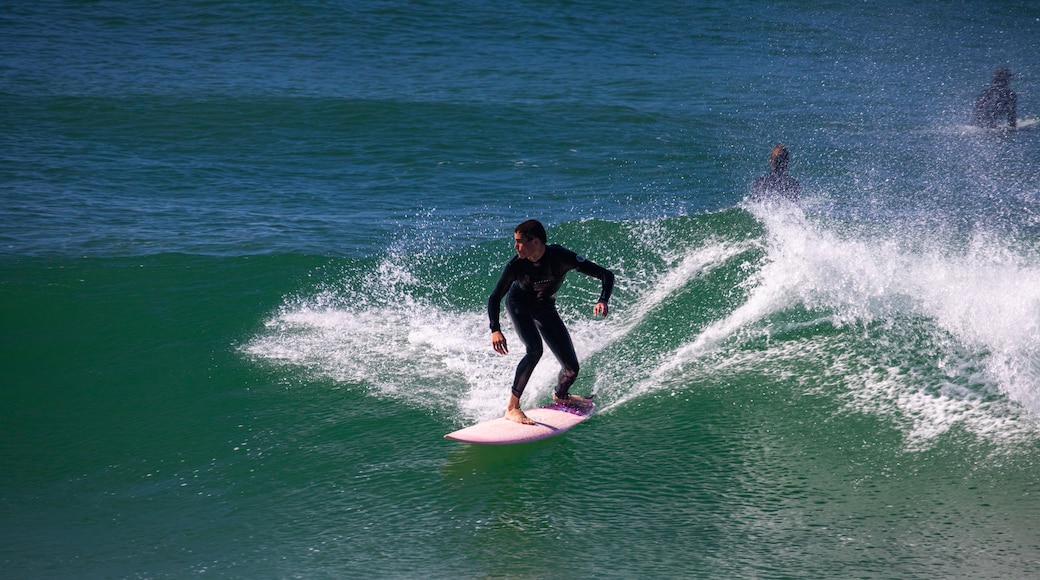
530,292
776,184
994,105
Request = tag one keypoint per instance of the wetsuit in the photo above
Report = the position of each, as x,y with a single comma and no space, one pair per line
996,103
775,184
530,292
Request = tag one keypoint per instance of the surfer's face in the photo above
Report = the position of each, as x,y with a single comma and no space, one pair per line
525,247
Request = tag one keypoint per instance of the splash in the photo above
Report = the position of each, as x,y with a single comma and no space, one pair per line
949,333
932,334
378,335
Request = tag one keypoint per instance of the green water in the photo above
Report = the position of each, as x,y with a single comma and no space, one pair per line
147,436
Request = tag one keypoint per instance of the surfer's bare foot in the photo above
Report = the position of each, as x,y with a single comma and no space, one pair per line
518,416
573,401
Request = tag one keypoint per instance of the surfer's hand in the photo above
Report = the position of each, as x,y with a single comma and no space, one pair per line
600,309
498,342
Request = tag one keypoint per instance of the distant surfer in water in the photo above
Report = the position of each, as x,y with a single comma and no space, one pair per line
996,103
776,184
529,283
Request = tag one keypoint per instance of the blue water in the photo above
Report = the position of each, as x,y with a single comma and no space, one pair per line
246,248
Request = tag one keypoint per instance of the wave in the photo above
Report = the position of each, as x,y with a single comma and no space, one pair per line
928,335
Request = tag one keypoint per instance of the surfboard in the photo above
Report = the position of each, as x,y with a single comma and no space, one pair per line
550,421
1028,123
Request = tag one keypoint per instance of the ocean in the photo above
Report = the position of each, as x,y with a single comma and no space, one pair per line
246,250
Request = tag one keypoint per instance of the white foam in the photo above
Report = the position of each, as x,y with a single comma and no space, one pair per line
984,297
415,353
976,307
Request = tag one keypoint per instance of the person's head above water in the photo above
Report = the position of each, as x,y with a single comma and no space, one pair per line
1002,76
779,158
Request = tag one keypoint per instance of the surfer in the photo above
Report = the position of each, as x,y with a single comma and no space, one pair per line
996,103
777,183
529,284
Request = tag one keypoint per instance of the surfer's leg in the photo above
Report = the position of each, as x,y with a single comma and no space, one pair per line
524,324
559,340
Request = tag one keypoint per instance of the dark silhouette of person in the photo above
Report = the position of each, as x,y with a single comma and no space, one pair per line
776,184
996,103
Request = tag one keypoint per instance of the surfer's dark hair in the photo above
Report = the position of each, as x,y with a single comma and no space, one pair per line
779,158
531,229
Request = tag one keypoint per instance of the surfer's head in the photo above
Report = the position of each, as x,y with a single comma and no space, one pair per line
1002,76
529,240
779,157
531,229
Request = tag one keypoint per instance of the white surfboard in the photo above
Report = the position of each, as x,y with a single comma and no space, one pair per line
1027,123
549,421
